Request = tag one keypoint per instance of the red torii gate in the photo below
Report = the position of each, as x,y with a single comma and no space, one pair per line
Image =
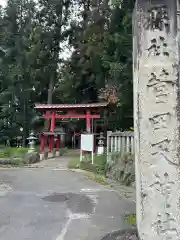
71,113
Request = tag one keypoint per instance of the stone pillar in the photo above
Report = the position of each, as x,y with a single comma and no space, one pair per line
157,119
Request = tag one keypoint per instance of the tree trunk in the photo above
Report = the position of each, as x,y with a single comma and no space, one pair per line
49,100
56,49
25,122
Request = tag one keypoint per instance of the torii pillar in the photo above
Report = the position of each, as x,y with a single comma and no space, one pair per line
157,119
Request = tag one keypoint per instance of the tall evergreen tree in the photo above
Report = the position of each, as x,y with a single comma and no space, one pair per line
32,68
101,63
16,73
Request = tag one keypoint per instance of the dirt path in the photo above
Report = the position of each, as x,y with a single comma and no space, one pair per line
59,162
55,163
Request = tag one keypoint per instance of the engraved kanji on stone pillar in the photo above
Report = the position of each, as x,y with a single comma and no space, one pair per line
157,118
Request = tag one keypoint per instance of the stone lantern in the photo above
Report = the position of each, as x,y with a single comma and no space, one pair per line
100,149
32,142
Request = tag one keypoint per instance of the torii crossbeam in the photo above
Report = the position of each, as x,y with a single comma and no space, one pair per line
69,111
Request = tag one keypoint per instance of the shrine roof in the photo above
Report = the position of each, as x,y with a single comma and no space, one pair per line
70,106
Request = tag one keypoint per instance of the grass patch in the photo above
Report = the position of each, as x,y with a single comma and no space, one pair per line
88,166
98,167
19,152
96,170
74,163
9,152
63,151
12,157
98,178
130,219
98,159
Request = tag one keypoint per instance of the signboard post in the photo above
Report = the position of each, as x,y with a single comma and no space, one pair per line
87,144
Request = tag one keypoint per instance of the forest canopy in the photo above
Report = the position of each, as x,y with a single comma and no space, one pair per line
35,68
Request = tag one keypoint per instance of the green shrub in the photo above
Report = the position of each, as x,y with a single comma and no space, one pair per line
100,160
120,168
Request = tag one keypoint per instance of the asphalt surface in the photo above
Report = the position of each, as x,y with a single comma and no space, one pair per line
47,204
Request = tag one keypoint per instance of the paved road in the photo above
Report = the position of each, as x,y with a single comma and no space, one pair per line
46,204
54,163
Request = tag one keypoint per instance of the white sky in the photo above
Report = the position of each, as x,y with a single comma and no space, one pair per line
3,2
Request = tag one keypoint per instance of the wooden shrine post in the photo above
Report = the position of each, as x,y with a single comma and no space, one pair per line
88,121
53,121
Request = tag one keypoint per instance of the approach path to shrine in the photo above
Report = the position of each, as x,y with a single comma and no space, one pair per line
45,204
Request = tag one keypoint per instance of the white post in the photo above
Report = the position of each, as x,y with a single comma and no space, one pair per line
92,156
132,144
118,138
111,141
81,155
116,145
108,144
122,144
157,119
127,144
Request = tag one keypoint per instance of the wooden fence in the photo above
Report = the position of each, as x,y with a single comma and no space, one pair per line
122,142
